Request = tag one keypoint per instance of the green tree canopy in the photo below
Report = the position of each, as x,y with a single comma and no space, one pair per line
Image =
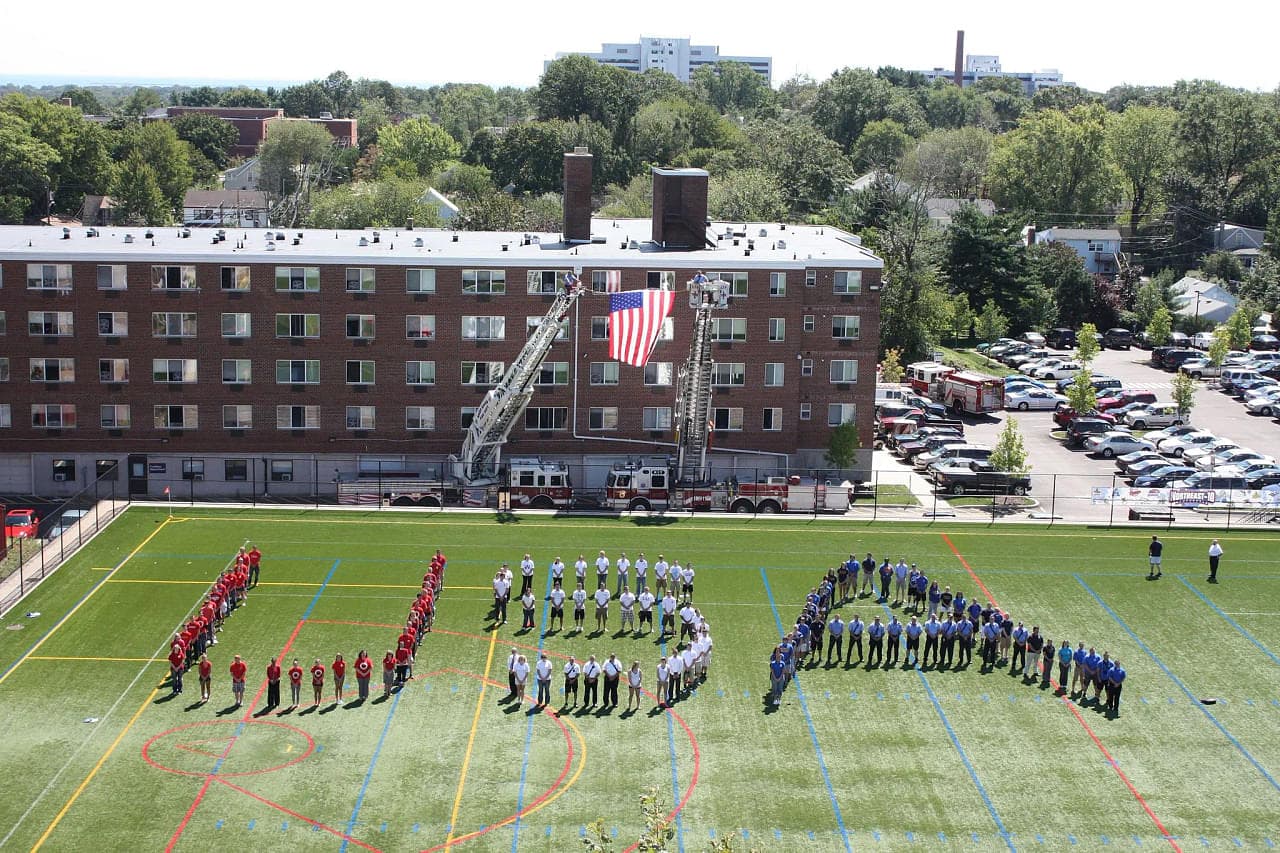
991,324
1054,162
1160,326
84,100
208,134
1010,452
881,145
1141,143
415,148
984,258
243,96
83,163
842,447
749,195
291,153
138,195
157,143
1058,268
26,170
387,203
732,88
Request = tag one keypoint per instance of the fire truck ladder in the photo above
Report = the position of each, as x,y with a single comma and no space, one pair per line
502,406
693,404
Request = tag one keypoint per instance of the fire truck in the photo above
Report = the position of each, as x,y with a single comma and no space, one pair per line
972,393
477,474
685,482
926,377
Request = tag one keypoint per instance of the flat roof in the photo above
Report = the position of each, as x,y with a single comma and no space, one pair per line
626,243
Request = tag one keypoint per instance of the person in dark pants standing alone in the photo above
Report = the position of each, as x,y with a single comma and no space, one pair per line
1215,554
1154,551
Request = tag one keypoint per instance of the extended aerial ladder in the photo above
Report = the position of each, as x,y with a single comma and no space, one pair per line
693,402
503,405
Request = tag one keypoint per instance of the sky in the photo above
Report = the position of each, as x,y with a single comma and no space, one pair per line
502,42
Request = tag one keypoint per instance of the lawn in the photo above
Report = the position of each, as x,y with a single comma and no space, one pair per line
974,360
99,757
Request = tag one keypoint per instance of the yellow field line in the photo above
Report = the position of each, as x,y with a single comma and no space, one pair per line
53,657
159,581
94,772
100,569
471,742
81,602
281,583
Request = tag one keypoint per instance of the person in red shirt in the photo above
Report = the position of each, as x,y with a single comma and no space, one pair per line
295,683
317,681
206,677
177,665
403,656
273,683
364,669
238,669
339,676
255,560
388,672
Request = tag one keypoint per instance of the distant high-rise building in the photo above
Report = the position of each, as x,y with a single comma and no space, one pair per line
676,56
978,66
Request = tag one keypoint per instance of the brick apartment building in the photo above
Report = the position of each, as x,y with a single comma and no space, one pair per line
179,355
252,124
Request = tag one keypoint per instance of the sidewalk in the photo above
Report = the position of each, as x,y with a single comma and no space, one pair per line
888,471
44,561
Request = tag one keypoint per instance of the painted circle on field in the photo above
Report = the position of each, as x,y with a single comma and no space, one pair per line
261,746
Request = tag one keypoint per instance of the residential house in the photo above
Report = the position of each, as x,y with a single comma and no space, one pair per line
1207,300
1099,248
233,208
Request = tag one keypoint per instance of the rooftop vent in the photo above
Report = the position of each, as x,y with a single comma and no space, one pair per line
92,232
376,236
128,238
764,232
417,242
66,233
782,244
364,241
149,234
271,247
455,238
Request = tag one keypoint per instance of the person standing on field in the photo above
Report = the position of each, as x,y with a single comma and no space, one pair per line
295,683
273,683
571,673
542,676
364,669
255,564
1154,556
1215,555
339,676
526,574
317,681
206,677
238,670
521,675
579,607
388,674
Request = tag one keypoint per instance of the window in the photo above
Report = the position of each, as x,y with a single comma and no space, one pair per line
173,324
772,420
656,418
737,281
173,278
360,326
806,367
420,326
59,324
360,372
48,277
234,278
729,329
281,470
599,328
728,374
808,322
806,411
484,281
237,326
6,416
4,324
844,370
114,416
176,371
235,470
360,417
420,281
305,279
113,370
298,371
297,417
112,277
237,371
602,418
546,418
237,417
113,324
53,416
777,284
606,281
848,282
810,278
482,372
176,417
421,417
777,329
106,469
467,414
553,373
420,373
839,413
604,373
846,327
531,325
544,281
727,419
193,469
53,370
64,470
664,280
360,280
484,328
773,374
4,369
658,373
297,325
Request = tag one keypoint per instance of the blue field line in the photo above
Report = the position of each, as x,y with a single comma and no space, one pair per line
373,762
671,747
528,731
306,614
1194,701
1233,623
808,718
955,741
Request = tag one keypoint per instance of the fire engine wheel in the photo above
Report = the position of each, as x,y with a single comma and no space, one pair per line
742,507
542,502
770,508
639,505
403,500
432,502
957,488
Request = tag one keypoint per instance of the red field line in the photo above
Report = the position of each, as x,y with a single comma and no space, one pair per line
1075,711
291,813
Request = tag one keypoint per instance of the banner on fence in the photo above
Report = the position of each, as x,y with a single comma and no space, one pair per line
1186,497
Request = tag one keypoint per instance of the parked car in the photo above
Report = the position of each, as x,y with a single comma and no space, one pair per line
1178,446
1117,338
984,346
1171,432
1263,404
1082,428
66,521
981,478
1061,338
1034,338
1202,340
1124,398
1062,370
1033,398
1161,477
1128,462
1064,415
1244,387
934,448
909,446
1260,478
1153,415
1223,458
1252,466
1111,444
1264,342
1174,358
1200,368
1179,339
21,524
955,451
1019,359
1097,380
1262,359
1192,455
1209,480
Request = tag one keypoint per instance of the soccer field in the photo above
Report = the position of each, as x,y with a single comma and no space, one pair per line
97,756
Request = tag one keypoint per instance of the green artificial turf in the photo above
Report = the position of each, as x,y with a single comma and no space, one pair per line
852,759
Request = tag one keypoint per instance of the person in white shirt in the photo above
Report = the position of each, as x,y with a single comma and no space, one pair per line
571,672
557,608
675,670
674,577
686,583
527,604
688,660
590,682
508,574
688,619
557,573
627,604
669,614
501,594
526,574
580,570
660,576
705,662
521,673
512,659
612,673
1215,556
642,572
634,679
602,571
900,572
542,675
624,566
579,607
646,600
660,685
602,608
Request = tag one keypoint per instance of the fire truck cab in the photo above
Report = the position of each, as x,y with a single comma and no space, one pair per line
538,484
642,485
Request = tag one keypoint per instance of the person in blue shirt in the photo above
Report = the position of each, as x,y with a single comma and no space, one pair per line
1064,665
835,640
935,596
958,605
949,628
932,631
965,631
787,652
1077,674
875,643
867,584
1101,677
1089,672
921,585
990,644
913,631
975,612
777,676
1115,684
1019,659
894,632
855,629
802,641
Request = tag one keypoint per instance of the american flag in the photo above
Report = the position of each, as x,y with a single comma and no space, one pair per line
612,281
635,319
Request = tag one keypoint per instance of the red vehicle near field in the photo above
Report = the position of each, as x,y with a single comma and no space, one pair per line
972,393
21,524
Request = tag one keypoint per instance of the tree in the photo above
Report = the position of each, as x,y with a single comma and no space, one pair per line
1054,162
1159,327
854,97
749,195
83,163
415,148
1010,453
141,101
84,100
244,96
463,179
1218,349
138,195
158,145
991,325
1058,268
1062,98
1184,395
295,158
388,203
1087,345
307,99
881,144
200,96
632,201
1222,266
810,167
1081,394
891,366
1141,142
731,88
984,257
1226,140
842,448
1238,330
26,170
1149,298
574,86
956,160
208,134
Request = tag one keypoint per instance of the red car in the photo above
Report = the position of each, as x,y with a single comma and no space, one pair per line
21,524
1065,415
1106,404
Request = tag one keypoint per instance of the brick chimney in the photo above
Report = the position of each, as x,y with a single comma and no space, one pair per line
959,78
577,195
680,208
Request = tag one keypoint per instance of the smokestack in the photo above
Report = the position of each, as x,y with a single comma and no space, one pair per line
959,78
680,208
577,195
